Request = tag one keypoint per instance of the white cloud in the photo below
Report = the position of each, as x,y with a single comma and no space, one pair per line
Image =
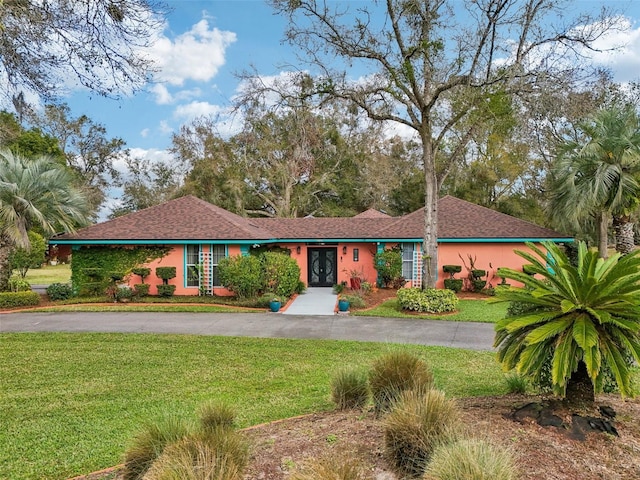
165,128
624,61
196,109
144,133
163,97
194,55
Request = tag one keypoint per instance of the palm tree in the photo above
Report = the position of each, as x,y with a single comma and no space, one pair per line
584,319
35,192
599,178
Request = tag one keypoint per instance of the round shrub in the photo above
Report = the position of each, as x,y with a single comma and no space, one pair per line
418,423
281,274
471,459
430,300
349,389
388,264
141,289
59,291
395,372
242,275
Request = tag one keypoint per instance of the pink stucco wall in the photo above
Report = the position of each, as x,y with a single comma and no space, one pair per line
488,256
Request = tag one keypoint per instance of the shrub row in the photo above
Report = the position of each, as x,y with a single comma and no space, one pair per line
430,300
19,299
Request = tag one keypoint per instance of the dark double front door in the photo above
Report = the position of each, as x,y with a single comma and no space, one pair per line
323,266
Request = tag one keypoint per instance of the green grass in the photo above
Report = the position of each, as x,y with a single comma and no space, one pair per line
49,274
69,403
468,311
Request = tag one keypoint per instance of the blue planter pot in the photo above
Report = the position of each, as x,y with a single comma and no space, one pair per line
274,306
343,305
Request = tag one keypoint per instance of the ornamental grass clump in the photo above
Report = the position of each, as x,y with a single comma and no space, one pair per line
394,373
350,389
214,415
332,467
471,459
217,454
149,444
418,423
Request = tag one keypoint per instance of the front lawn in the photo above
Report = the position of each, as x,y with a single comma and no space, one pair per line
69,403
468,311
49,274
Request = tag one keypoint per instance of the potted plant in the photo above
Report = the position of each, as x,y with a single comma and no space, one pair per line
355,280
343,304
275,304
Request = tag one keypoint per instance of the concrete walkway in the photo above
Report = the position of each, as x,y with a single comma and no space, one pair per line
474,336
314,301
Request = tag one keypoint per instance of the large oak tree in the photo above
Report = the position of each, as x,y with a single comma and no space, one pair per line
434,65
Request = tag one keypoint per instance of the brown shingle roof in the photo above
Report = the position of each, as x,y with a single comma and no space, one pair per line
459,219
189,218
185,218
372,213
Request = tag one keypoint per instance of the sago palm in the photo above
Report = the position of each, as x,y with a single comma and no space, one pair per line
584,319
35,192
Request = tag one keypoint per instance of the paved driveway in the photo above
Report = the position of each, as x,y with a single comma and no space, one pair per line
475,336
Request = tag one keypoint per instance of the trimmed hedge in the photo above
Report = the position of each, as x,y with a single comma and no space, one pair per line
165,290
453,284
429,300
19,299
281,274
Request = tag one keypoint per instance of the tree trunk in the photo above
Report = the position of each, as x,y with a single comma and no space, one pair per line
430,241
5,270
580,389
623,230
603,235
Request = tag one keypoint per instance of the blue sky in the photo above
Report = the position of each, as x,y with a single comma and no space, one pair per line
206,42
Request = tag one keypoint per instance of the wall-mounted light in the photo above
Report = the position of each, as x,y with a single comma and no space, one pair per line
344,250
356,254
298,249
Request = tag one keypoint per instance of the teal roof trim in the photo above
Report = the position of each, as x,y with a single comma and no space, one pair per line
306,240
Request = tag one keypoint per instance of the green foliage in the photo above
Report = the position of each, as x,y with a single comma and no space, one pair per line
59,291
452,269
18,299
148,445
585,314
418,423
453,284
166,273
142,272
23,259
18,284
471,459
166,290
338,288
394,373
243,275
349,389
90,264
281,273
428,300
216,414
141,289
124,293
355,300
388,264
516,383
